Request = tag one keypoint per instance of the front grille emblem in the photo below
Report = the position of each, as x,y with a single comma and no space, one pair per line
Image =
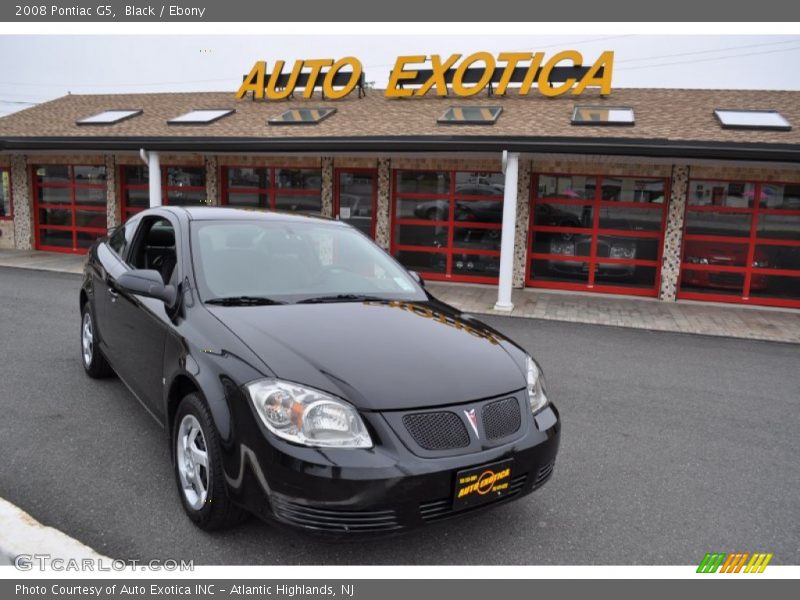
473,420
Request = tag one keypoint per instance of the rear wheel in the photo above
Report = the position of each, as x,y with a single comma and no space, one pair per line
198,467
93,360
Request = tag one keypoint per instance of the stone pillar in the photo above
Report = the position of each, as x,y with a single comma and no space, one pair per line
113,209
671,256
326,166
23,203
212,182
523,223
383,216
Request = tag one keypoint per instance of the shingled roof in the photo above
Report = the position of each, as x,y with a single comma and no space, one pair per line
668,118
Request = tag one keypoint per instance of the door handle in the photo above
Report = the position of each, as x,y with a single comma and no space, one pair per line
113,293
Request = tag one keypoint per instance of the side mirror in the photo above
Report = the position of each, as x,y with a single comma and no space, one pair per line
147,282
418,278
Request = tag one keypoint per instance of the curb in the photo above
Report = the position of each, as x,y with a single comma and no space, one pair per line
20,534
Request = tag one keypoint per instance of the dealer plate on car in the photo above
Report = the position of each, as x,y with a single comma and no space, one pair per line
483,484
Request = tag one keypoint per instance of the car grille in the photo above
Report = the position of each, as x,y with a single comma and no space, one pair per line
501,418
543,474
437,430
442,509
335,520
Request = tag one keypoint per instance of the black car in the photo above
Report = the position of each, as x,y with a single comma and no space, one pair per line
303,375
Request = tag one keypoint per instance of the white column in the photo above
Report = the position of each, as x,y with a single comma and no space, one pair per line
508,234
154,174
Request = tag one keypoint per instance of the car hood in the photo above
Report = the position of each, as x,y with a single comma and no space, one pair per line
380,355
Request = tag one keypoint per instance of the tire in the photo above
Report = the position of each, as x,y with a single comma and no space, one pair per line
94,363
201,482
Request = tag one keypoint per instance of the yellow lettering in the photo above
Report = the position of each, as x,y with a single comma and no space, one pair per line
544,78
399,74
437,79
458,85
254,82
605,62
273,91
512,59
316,66
327,86
527,83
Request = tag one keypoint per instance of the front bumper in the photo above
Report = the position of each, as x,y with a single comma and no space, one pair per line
382,490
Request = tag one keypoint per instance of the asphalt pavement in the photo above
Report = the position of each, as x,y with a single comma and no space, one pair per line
673,445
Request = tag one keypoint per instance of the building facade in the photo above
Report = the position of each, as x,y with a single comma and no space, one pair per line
670,204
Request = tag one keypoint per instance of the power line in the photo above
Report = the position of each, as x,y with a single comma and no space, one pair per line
689,62
626,60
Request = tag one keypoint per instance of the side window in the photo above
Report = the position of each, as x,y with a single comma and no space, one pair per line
155,248
121,239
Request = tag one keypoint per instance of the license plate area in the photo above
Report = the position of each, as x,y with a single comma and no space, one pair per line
482,484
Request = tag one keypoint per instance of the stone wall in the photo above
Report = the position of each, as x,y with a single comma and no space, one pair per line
212,183
673,236
326,167
523,223
23,209
383,216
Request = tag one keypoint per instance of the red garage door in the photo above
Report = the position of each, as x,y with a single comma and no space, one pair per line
739,249
597,233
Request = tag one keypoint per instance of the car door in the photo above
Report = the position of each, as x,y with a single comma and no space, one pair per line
137,327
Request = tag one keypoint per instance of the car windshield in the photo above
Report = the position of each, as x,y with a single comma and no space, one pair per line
290,261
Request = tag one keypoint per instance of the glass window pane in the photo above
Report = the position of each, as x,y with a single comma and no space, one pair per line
564,244
426,262
5,194
91,218
93,196
752,119
627,248
109,117
632,219
201,116
52,237
136,175
602,115
186,198
53,174
776,226
429,210
421,235
570,271
718,223
137,198
715,253
476,239
480,211
485,115
775,286
570,187
780,197
476,264
777,257
623,275
356,193
302,116
423,182
249,177
186,176
473,183
631,189
248,199
563,215
86,239
298,179
59,195
712,282
90,174
736,194
55,216
299,203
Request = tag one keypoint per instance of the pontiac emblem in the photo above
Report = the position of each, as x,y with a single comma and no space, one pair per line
473,420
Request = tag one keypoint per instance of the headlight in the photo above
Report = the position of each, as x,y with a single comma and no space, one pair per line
306,416
537,389
622,252
562,247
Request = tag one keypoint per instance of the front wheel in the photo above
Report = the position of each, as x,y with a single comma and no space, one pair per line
93,360
198,468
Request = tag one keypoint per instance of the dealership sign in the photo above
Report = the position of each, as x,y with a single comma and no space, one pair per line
418,75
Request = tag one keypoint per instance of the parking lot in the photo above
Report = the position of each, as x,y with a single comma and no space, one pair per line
673,445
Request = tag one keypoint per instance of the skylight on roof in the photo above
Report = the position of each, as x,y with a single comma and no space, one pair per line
470,115
752,119
602,115
109,117
302,116
201,116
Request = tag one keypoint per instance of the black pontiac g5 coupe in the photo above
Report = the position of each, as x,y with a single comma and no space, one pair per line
305,376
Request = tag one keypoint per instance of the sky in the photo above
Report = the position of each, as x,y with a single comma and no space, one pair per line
40,68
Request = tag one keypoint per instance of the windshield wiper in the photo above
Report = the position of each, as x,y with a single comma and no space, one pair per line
340,298
244,301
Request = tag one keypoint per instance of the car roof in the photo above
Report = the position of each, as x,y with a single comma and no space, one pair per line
216,213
